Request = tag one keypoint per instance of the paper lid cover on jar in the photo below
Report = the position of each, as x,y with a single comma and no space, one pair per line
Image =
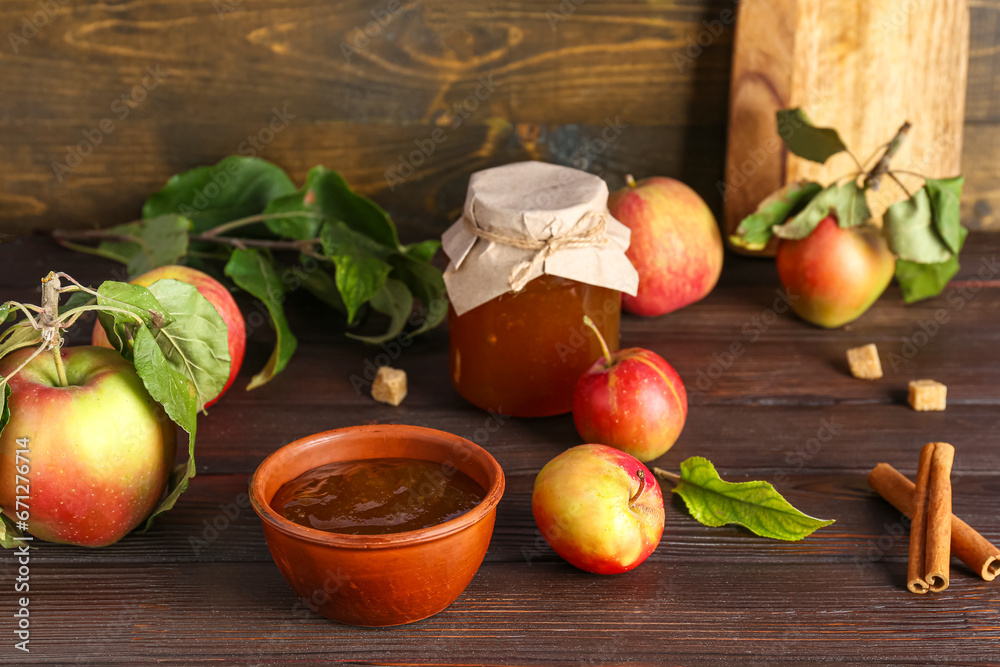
526,219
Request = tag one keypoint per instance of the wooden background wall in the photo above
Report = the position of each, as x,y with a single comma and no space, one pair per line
554,76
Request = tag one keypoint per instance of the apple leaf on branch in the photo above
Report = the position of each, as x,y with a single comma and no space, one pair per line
845,202
804,139
177,394
926,233
195,342
756,505
756,230
253,271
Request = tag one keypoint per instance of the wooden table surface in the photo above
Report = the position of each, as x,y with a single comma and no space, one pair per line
766,391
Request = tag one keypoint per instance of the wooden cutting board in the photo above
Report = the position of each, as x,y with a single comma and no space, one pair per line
862,66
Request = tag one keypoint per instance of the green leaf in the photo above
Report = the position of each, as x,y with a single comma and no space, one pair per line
394,300
754,505
254,272
910,228
335,200
427,284
4,405
152,243
176,393
138,302
236,187
8,533
922,281
945,195
299,227
196,342
5,310
18,336
423,251
845,202
756,229
77,299
361,270
169,387
321,285
805,139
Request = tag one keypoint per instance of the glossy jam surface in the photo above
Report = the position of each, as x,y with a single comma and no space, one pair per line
377,496
521,354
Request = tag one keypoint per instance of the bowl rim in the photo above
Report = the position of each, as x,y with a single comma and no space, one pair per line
271,517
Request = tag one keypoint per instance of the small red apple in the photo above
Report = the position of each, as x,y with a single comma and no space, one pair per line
633,400
95,455
217,295
598,508
676,245
834,275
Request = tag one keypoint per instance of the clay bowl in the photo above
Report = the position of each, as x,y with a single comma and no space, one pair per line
379,580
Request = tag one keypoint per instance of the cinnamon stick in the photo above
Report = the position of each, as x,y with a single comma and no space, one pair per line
968,545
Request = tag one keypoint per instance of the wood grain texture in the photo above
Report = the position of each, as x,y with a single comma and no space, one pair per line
200,587
863,67
561,73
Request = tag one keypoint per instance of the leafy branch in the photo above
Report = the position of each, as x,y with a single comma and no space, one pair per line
344,248
924,231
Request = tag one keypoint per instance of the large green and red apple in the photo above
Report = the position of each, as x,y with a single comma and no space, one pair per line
217,295
834,275
599,508
99,451
676,244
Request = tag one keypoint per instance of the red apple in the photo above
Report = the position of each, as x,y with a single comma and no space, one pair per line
633,400
598,508
676,245
98,452
217,295
834,275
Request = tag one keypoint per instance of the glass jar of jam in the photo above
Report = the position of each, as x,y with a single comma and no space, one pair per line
522,353
535,251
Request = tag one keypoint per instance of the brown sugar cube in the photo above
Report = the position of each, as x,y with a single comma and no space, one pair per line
927,395
389,386
864,362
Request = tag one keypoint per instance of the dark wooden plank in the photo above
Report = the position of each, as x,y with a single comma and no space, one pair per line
213,523
561,71
698,613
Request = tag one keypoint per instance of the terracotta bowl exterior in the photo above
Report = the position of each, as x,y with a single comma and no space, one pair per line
379,580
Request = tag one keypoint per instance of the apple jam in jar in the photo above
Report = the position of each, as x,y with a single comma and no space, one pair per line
534,252
524,352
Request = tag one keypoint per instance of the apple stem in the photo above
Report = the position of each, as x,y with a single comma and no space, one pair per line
629,180
642,483
667,475
604,346
874,178
49,322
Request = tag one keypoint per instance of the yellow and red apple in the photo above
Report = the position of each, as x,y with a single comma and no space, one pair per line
97,453
833,275
676,245
599,508
217,295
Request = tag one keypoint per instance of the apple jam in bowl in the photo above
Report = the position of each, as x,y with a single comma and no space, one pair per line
378,525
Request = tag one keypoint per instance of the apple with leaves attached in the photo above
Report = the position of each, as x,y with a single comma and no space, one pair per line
835,274
599,508
89,461
633,400
216,294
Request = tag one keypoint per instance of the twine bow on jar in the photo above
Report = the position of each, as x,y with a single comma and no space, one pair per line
583,234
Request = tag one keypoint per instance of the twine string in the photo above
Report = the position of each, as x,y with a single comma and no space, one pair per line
583,234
